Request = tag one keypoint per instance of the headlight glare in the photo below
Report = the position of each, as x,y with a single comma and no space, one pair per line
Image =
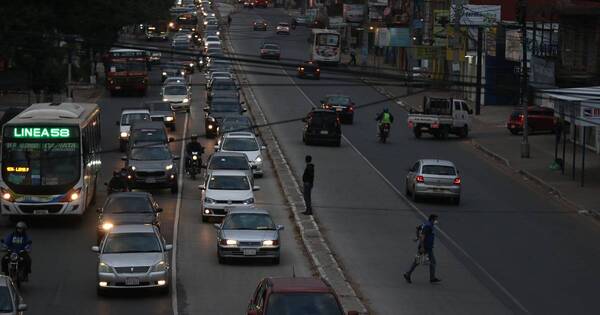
104,268
107,226
124,135
169,118
160,266
185,100
169,167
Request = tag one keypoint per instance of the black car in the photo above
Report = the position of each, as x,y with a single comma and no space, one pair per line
260,25
219,109
270,50
127,208
342,105
162,111
223,88
148,132
322,126
309,69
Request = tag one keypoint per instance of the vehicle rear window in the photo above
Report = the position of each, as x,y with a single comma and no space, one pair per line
271,47
323,118
341,100
438,170
229,163
128,204
302,304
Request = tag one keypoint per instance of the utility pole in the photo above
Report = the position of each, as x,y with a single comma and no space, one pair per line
479,56
522,14
365,35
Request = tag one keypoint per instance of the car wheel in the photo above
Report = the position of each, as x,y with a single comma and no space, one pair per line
415,197
101,291
204,219
417,133
188,110
173,127
464,132
406,191
456,200
174,188
338,142
166,289
122,146
276,260
222,260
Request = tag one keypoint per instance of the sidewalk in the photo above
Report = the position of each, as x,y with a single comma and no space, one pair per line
489,135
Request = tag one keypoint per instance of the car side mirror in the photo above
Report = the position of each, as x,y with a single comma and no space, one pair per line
216,147
159,209
124,158
168,247
96,249
171,139
22,307
244,109
201,187
255,188
280,227
217,226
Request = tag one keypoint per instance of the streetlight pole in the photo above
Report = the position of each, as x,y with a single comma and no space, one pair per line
523,20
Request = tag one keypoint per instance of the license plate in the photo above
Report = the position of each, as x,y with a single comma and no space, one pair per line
40,211
150,180
117,87
324,132
132,281
249,252
425,128
338,109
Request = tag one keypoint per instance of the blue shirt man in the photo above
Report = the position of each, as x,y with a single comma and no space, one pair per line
426,240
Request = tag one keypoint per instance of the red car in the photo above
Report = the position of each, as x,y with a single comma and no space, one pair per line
294,296
540,119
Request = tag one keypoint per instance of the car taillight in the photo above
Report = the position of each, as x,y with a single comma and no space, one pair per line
521,117
410,124
420,179
262,51
456,181
435,125
350,108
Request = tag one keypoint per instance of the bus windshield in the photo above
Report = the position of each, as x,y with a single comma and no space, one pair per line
32,167
129,66
328,40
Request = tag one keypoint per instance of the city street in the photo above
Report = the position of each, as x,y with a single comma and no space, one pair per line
63,280
507,246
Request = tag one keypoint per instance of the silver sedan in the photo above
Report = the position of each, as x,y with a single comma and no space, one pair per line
433,178
133,256
248,233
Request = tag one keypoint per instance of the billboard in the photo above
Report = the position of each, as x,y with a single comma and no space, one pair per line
354,13
400,37
477,15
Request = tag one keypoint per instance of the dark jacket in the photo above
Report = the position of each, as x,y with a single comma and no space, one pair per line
194,147
428,232
309,174
17,242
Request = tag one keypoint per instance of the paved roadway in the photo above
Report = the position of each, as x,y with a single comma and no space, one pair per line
508,248
64,268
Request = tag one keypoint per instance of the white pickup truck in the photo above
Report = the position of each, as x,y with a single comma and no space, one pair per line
441,117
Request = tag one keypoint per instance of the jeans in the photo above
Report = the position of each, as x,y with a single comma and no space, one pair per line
307,196
432,262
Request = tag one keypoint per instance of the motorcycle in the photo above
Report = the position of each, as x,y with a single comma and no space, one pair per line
384,132
194,165
16,270
111,187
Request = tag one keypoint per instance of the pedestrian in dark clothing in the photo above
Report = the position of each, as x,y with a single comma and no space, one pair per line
229,20
307,179
352,57
426,240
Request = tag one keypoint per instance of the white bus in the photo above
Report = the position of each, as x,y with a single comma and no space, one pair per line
325,46
50,159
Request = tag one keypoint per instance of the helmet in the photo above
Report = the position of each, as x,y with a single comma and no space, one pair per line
124,172
194,137
21,226
385,109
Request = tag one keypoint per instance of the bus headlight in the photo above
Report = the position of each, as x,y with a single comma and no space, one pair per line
6,195
107,226
124,135
194,157
74,196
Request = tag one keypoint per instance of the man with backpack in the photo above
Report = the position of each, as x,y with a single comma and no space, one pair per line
425,237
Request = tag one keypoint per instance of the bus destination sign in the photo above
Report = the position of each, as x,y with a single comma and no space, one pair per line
41,132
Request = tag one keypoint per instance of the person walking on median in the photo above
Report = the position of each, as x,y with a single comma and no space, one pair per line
426,239
352,57
307,179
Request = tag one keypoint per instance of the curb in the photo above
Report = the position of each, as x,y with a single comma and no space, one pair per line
321,256
491,153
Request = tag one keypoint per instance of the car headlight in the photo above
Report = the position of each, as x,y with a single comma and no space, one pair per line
209,200
258,160
185,100
107,226
104,268
229,242
169,118
191,64
249,201
270,243
169,167
218,33
201,62
133,168
165,99
164,73
124,135
194,157
160,266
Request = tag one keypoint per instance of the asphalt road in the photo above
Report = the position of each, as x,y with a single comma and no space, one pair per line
64,268
508,248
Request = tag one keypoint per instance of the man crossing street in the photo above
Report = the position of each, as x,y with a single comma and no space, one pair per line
426,239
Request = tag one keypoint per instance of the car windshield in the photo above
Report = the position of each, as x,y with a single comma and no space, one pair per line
174,80
121,243
229,125
224,85
175,90
160,106
240,144
150,154
214,45
274,47
284,24
229,183
323,118
225,108
128,119
128,204
6,303
213,39
248,221
229,163
338,100
438,170
148,135
328,40
302,304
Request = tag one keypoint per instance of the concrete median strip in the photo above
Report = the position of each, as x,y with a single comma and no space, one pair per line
320,254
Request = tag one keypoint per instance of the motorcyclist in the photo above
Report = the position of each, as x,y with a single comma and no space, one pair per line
294,23
191,147
383,118
119,181
18,242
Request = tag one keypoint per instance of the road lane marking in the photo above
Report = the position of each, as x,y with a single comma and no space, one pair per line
424,216
176,221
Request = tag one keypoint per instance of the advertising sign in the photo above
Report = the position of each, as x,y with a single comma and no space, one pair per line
382,37
378,3
400,37
440,21
354,13
476,15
